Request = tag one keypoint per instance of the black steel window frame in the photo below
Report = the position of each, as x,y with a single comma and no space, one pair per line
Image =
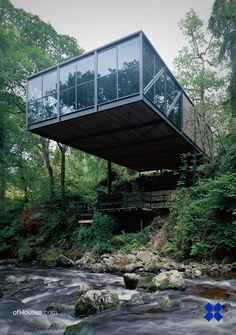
164,71
109,104
95,106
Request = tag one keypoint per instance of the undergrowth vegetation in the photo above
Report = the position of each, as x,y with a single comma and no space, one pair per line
203,221
203,218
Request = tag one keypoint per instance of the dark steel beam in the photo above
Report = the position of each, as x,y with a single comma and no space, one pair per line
114,131
151,154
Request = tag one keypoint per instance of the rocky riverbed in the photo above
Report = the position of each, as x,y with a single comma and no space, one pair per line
53,294
144,260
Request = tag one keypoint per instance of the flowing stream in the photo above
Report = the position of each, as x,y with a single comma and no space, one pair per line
41,287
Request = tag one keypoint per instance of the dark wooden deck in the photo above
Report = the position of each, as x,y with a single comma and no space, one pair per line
145,201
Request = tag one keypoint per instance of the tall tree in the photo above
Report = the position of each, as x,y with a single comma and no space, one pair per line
196,69
195,62
222,24
27,45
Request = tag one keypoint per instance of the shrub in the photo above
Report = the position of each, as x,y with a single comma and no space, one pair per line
31,217
97,237
128,241
203,220
25,252
49,256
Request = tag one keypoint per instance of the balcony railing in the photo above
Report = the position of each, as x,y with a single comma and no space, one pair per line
142,200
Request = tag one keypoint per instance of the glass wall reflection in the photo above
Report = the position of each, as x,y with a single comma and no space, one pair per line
117,77
42,97
71,87
85,82
67,85
128,68
159,85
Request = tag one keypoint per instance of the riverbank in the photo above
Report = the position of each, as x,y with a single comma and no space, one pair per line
144,260
137,261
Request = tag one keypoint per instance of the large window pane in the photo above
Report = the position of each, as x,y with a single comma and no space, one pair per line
50,106
50,83
150,94
85,69
172,91
158,64
35,111
85,95
156,93
67,101
67,76
107,62
147,77
128,68
35,88
148,58
159,97
107,88
176,114
128,54
128,81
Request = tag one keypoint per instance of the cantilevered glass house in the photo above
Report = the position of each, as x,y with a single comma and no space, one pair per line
119,102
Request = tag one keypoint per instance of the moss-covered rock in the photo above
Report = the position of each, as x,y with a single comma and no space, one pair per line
75,329
95,301
167,280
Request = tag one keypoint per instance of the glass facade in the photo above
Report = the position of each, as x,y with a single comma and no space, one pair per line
104,76
160,87
42,97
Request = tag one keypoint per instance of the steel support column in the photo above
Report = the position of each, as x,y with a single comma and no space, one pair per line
109,177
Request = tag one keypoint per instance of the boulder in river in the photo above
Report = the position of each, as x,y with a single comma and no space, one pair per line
95,301
75,329
144,256
131,280
145,279
15,280
168,280
64,261
193,273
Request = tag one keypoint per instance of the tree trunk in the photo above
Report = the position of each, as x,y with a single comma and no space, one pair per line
2,169
23,180
63,148
45,146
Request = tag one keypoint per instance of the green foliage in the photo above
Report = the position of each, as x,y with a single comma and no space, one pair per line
222,24
193,65
203,220
27,45
226,159
10,229
128,241
49,255
97,237
25,251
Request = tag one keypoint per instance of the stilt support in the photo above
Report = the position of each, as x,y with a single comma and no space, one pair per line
109,177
